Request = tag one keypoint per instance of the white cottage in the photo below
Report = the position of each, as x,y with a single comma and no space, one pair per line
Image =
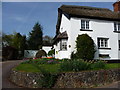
102,24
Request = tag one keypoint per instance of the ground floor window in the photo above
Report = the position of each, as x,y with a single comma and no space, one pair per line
102,42
63,44
104,55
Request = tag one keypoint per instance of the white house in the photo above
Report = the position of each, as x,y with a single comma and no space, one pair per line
101,24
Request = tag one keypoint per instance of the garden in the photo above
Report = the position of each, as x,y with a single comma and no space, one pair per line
51,68
64,65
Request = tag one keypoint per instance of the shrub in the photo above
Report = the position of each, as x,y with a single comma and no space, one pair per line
40,54
74,65
48,79
73,55
51,52
85,47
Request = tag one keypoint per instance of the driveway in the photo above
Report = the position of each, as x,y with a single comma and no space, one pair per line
6,68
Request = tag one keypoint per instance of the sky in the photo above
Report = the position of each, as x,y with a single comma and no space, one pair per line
22,16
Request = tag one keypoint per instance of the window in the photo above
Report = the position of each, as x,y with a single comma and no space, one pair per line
119,44
84,24
104,55
63,44
102,42
116,26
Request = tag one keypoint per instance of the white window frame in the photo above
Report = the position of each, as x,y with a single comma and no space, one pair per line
116,26
63,44
103,42
85,24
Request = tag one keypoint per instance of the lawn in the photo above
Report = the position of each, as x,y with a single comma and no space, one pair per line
53,68
112,65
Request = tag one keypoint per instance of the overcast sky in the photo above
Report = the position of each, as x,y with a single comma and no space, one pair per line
21,16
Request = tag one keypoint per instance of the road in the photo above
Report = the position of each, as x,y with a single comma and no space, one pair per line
6,68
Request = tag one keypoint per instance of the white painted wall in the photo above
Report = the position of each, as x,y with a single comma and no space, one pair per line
119,50
30,53
47,48
100,28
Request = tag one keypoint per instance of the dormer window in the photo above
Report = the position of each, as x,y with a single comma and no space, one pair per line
116,26
85,24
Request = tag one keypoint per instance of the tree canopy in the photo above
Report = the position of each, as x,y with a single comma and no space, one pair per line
35,39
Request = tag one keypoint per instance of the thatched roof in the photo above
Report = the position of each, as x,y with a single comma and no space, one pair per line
86,12
101,13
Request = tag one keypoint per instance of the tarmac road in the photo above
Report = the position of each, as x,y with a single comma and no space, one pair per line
6,68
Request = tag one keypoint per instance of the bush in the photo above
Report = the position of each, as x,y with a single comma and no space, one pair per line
48,79
85,47
51,52
74,65
73,55
40,54
9,53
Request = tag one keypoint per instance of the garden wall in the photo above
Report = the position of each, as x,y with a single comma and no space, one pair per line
69,80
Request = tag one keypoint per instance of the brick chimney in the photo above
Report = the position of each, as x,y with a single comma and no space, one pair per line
116,6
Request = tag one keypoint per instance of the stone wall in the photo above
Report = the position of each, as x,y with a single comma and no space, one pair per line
69,80
87,78
25,79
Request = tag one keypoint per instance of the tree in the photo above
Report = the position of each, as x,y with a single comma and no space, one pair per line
85,47
47,40
9,53
16,41
35,40
6,40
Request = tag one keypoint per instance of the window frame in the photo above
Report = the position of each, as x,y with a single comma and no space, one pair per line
85,24
63,45
116,26
103,43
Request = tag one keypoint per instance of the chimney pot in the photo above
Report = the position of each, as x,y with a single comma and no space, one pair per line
116,6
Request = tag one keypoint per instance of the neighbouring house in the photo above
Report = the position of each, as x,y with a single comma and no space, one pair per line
101,24
32,53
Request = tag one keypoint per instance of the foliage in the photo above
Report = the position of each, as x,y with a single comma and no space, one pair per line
40,53
9,53
74,65
6,40
47,40
35,39
55,68
85,47
73,55
51,52
48,80
16,41
41,61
